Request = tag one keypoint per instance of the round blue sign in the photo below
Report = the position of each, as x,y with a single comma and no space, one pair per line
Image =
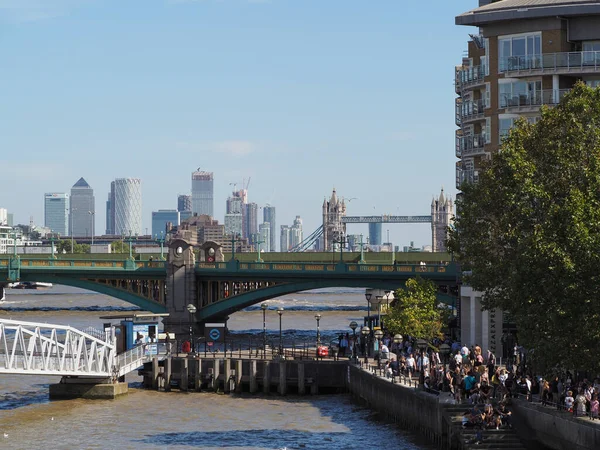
214,334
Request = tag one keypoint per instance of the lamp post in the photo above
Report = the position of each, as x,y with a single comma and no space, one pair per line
280,312
318,318
366,331
130,240
368,296
161,241
353,326
362,251
264,307
93,214
374,301
445,350
378,336
72,241
398,341
258,242
192,310
422,345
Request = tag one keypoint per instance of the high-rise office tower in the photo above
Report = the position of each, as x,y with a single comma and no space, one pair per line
264,231
56,212
202,193
184,203
110,229
296,234
161,220
269,216
375,230
250,221
82,210
284,239
126,206
3,216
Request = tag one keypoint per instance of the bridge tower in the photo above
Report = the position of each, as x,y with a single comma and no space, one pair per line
181,287
333,211
442,212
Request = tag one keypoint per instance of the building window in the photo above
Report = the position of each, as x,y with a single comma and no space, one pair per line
520,93
592,83
520,52
505,125
487,94
488,130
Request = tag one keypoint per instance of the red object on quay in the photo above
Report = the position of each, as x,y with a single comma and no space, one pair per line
322,351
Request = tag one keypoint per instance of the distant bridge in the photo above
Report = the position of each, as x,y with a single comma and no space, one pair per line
386,219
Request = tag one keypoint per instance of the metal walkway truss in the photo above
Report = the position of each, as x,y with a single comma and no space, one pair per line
30,348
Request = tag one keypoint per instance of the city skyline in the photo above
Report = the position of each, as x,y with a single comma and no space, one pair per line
299,112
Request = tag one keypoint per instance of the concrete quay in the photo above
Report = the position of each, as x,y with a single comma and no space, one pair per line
300,377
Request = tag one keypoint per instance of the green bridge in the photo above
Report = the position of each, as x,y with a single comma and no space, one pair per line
217,288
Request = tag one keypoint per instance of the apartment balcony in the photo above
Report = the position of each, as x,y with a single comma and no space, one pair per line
469,111
469,77
468,146
531,101
466,176
550,64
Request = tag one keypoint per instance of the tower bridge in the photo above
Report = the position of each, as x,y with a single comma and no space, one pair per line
335,221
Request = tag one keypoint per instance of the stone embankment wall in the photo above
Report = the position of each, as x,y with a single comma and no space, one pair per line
409,407
554,429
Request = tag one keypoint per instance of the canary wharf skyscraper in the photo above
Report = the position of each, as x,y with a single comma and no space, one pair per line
126,206
83,209
202,193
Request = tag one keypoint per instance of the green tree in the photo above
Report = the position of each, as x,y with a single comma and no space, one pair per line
529,232
415,311
119,247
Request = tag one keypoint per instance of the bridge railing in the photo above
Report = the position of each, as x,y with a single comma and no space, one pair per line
324,267
87,263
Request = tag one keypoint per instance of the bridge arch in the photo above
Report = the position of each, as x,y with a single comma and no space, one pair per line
129,297
223,308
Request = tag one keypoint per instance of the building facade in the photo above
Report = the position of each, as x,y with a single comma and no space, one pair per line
56,212
202,193
184,203
250,221
525,54
126,206
163,220
375,233
3,216
264,232
82,210
270,218
284,238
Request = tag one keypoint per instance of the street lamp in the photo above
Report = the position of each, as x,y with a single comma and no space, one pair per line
378,336
93,214
398,342
368,296
318,318
192,310
422,345
264,307
280,312
365,332
375,302
72,241
353,326
445,350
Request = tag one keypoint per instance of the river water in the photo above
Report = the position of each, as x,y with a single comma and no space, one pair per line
158,420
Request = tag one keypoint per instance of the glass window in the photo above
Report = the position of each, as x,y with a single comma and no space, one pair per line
592,83
518,47
520,52
488,130
591,46
505,126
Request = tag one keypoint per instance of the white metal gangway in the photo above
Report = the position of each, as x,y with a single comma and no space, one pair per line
43,349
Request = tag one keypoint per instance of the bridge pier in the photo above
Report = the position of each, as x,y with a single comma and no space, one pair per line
253,377
88,388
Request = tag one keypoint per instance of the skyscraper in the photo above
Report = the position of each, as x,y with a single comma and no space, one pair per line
264,230
269,216
296,235
202,193
82,210
126,206
284,239
250,221
375,230
184,203
56,212
161,218
110,228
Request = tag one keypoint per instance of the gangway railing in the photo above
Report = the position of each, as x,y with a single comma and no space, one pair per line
44,349
134,358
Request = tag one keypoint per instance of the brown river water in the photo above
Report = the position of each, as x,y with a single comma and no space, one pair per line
146,419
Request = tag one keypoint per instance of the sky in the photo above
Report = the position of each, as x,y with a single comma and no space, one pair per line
300,96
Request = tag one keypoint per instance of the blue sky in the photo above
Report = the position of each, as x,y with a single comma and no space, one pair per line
300,95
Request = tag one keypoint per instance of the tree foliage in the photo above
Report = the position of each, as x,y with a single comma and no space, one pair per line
119,247
64,246
415,311
529,232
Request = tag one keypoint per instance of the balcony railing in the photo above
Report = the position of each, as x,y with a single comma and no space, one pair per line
470,145
532,99
466,176
469,76
467,111
551,62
